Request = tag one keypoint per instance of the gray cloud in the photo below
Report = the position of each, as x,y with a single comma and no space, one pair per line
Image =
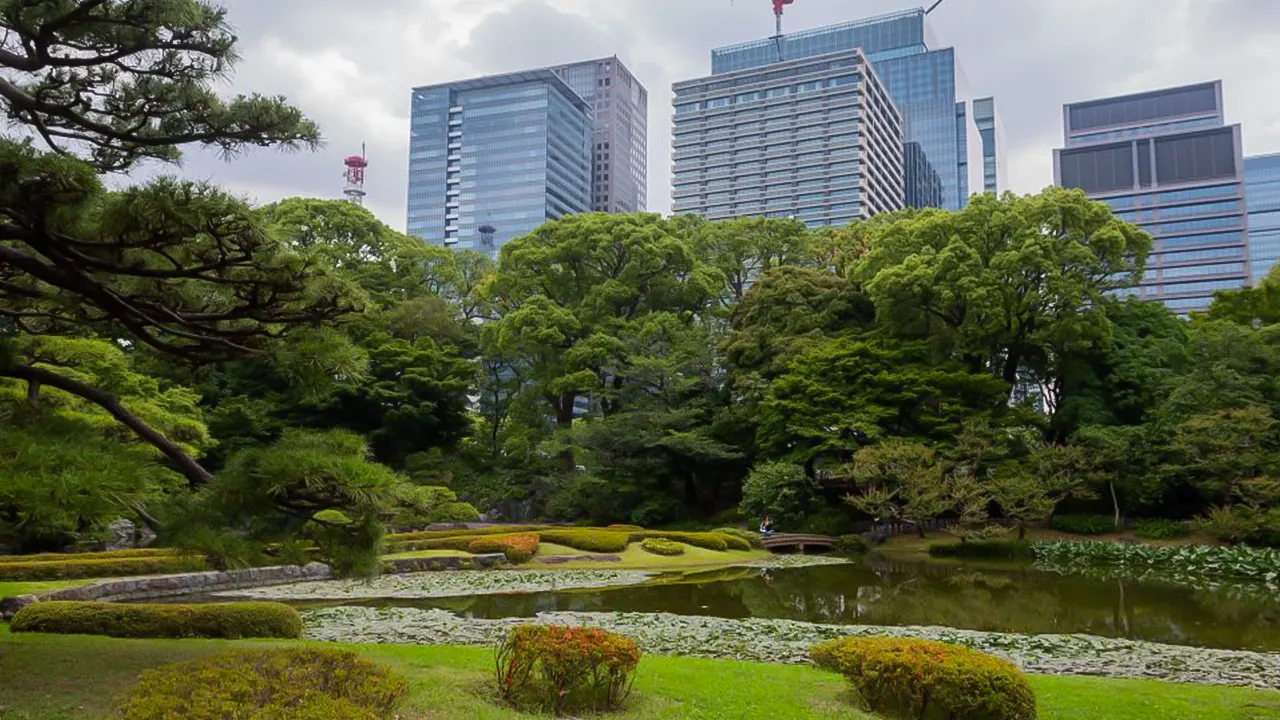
351,66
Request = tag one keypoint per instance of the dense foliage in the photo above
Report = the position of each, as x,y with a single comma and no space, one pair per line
924,680
213,620
300,684
565,669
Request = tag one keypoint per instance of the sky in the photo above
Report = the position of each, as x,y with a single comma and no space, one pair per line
351,65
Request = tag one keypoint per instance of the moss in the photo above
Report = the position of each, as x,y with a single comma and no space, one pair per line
222,620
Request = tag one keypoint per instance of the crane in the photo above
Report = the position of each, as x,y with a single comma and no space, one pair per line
780,6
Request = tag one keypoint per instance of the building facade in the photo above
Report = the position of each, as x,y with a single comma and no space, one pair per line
816,138
619,143
922,82
492,158
994,179
1262,200
1167,162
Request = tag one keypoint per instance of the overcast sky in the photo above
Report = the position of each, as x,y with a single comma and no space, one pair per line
350,65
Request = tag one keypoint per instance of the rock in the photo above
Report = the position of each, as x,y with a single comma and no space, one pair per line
11,605
120,534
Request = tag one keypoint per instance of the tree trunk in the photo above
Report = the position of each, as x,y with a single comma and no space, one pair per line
1115,503
1022,530
33,393
196,474
1011,364
564,421
920,531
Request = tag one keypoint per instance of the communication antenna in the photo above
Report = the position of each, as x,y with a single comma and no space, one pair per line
779,6
355,165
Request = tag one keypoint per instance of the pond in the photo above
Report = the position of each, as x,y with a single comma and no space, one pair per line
986,596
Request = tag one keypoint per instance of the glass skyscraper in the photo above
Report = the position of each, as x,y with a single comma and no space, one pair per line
620,118
815,138
989,129
1262,200
922,83
492,158
1166,161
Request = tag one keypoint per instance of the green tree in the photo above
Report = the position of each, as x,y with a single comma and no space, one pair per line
780,490
746,248
1221,451
900,480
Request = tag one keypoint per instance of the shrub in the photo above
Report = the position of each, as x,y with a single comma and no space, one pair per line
474,532
851,545
332,517
1001,549
605,541
454,512
659,546
719,542
221,620
517,548
829,521
730,516
460,543
1160,529
109,555
1084,524
292,684
922,679
625,528
109,567
752,537
565,669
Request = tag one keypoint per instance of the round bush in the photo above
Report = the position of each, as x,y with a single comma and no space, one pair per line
851,545
659,546
215,620
294,684
454,512
517,548
565,669
919,679
1084,524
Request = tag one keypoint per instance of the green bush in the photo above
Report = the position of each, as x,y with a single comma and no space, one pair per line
517,548
719,542
1084,524
659,546
829,521
912,679
625,528
220,620
730,517
999,549
752,537
109,567
565,669
1160,529
459,543
281,684
588,540
110,555
474,532
454,512
851,545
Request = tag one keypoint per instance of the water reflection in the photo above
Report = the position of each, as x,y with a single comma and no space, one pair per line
1010,598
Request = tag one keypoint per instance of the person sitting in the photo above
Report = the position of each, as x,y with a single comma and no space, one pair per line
766,526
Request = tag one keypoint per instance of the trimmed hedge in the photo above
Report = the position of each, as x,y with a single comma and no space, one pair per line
588,540
459,543
109,567
284,684
1002,549
474,532
707,540
224,620
658,546
906,678
752,537
1083,524
565,669
109,555
517,548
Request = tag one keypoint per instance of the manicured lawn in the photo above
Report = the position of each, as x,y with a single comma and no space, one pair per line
45,677
31,588
633,558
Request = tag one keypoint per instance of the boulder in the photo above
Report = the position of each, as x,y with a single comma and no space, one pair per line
120,534
11,605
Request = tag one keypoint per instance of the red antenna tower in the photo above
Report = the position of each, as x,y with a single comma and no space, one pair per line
355,177
779,6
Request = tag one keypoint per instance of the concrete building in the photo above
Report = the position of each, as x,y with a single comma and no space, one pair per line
925,84
994,177
1166,161
619,142
1262,201
492,158
817,138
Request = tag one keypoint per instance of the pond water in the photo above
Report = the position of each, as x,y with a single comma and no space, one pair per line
983,596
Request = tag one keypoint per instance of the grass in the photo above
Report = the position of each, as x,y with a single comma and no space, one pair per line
48,677
633,558
30,588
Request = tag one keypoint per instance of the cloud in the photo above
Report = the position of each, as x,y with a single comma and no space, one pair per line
351,66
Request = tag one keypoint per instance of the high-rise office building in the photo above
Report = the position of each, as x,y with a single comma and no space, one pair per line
492,158
620,118
1166,161
816,138
922,82
1262,200
989,129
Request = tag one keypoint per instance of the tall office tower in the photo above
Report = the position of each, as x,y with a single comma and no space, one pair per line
1166,161
989,129
815,138
620,131
1262,200
922,83
492,158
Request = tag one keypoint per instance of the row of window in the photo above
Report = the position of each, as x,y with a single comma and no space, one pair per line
1194,255
1149,216
1196,270
769,94
1142,131
1193,225
1228,238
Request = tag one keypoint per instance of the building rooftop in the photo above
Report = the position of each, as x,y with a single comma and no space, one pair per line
486,82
